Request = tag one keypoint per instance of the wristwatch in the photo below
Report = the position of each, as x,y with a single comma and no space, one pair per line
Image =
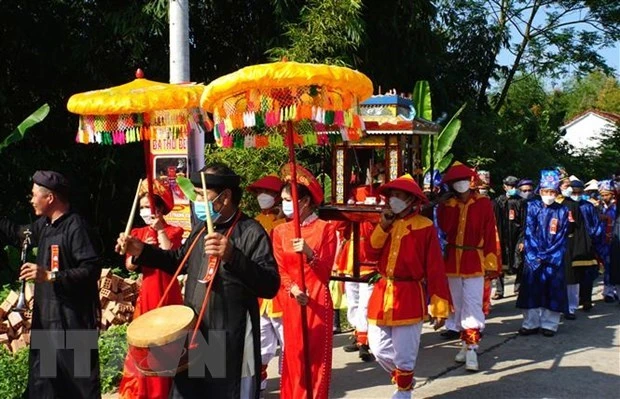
53,276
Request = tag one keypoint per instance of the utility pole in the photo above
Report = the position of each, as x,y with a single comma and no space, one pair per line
178,15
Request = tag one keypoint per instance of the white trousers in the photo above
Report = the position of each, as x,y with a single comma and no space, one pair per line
395,346
358,295
467,301
271,333
541,318
573,297
247,369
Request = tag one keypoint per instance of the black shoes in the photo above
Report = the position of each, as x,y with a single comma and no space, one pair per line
528,331
587,306
609,299
365,354
351,347
570,316
548,333
450,334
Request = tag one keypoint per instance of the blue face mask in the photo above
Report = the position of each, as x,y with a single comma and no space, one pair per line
566,193
512,192
201,212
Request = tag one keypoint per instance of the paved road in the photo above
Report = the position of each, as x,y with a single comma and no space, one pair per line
582,361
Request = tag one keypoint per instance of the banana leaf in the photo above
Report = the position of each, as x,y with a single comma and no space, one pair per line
187,187
422,100
445,162
19,133
442,143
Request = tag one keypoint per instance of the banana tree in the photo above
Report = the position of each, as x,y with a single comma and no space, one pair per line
19,133
435,149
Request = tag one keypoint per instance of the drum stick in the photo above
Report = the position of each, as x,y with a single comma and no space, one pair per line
132,214
204,190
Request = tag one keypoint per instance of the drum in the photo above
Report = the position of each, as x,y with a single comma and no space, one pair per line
158,340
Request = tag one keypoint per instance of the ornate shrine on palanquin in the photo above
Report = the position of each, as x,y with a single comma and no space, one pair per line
392,147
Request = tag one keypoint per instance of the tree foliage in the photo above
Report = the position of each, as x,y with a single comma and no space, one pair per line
328,32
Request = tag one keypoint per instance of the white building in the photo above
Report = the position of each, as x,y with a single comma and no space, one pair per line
585,130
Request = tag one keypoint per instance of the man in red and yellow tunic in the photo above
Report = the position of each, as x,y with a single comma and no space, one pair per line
267,192
406,246
472,252
358,293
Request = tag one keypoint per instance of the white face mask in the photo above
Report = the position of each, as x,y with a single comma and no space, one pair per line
287,208
567,192
397,205
575,198
548,199
265,201
461,186
145,214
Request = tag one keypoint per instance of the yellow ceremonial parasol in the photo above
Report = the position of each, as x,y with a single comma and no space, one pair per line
140,110
288,103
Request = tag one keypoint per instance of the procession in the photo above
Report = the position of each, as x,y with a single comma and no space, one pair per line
291,229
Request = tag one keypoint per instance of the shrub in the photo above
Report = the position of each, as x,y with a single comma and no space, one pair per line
14,373
112,351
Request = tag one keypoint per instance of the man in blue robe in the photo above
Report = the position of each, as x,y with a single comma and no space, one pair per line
607,208
542,294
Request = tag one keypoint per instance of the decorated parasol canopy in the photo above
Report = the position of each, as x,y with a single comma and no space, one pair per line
320,101
292,104
136,111
140,110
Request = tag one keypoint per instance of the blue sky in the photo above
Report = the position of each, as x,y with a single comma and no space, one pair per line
611,55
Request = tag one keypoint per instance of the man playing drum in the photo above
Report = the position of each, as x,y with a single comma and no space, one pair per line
247,271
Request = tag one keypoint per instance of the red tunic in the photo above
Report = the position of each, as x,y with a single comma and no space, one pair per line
471,233
412,270
134,385
321,237
344,260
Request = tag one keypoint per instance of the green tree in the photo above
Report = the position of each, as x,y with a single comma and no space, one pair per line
328,31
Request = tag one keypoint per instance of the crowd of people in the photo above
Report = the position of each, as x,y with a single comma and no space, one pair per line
433,254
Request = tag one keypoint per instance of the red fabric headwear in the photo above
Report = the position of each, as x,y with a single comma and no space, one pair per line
457,172
404,183
162,191
305,178
271,183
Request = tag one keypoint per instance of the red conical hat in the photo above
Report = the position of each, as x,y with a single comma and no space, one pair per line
305,178
270,182
162,191
404,183
458,171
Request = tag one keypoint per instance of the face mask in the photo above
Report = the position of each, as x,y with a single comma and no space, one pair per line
201,211
287,208
461,186
145,214
526,195
584,197
548,199
484,192
575,198
397,205
512,192
265,201
567,192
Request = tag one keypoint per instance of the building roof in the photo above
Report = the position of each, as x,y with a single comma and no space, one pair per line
609,116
